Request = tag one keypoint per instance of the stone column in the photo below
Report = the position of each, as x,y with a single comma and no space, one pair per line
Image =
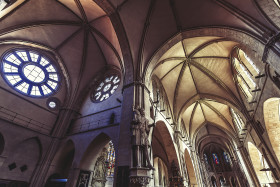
73,177
60,129
252,177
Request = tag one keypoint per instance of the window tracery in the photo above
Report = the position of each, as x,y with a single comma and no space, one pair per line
106,88
30,73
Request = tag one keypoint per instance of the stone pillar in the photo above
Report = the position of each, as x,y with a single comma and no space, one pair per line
156,179
251,175
60,129
73,177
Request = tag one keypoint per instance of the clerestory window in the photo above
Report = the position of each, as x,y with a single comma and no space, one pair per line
246,71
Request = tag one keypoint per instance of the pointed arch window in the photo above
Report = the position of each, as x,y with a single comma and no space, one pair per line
237,120
110,160
246,70
216,159
205,159
226,157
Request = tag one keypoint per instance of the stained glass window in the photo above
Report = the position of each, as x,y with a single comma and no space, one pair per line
205,159
106,88
110,160
226,156
30,73
215,158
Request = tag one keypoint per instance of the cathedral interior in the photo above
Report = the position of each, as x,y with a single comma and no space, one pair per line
139,93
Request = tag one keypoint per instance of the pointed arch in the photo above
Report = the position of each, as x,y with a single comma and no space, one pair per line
92,152
190,169
24,158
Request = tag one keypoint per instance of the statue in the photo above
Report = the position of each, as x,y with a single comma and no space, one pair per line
140,133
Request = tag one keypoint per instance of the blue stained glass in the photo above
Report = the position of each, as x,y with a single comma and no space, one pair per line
226,156
111,160
216,159
30,73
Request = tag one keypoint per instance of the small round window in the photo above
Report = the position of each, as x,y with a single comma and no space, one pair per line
105,88
30,73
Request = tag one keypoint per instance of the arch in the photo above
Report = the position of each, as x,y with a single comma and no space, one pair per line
190,169
98,161
163,145
2,143
22,160
271,116
94,149
259,163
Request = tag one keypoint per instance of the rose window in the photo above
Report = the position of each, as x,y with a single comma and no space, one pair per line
106,88
30,73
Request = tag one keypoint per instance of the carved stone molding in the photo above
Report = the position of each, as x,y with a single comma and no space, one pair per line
142,180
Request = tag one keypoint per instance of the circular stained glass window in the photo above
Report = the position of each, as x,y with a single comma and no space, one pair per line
106,88
30,73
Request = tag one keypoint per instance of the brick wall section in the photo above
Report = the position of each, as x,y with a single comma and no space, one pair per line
271,10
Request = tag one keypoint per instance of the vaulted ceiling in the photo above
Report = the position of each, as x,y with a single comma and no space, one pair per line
78,35
84,38
197,76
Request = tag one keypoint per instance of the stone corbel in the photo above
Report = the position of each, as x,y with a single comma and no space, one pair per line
139,176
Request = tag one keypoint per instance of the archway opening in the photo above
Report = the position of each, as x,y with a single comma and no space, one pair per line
163,147
190,169
98,163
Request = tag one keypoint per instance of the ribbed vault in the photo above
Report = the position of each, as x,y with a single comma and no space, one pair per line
207,111
197,77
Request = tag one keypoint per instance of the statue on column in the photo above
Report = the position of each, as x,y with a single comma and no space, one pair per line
140,134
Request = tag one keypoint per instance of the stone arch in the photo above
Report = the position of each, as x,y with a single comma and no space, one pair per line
270,11
94,149
259,163
22,160
2,143
272,122
163,145
98,161
190,169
